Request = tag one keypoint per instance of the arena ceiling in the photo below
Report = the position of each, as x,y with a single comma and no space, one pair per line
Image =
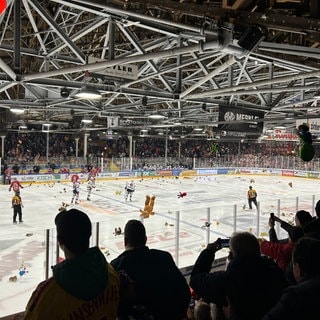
184,60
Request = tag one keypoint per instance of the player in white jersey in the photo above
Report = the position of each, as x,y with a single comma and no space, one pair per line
91,184
129,190
75,191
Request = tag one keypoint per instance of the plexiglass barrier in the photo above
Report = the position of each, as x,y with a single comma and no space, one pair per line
182,233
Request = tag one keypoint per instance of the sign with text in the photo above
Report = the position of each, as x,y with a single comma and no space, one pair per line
241,120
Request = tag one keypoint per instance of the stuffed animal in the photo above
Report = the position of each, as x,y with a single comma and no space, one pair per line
181,194
206,225
63,206
148,207
306,150
117,231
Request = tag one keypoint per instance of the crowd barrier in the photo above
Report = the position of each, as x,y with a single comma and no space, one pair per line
130,174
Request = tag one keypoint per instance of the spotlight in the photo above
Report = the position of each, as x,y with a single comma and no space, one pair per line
64,92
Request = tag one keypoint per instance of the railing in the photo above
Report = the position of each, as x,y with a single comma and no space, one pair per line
125,163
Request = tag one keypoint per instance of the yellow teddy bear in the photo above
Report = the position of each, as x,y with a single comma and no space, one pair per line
148,207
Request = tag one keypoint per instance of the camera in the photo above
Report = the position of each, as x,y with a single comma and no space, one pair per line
224,243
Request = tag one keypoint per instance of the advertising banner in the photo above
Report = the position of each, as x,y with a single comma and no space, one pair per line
241,120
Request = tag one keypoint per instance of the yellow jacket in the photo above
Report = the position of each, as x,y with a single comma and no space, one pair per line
86,287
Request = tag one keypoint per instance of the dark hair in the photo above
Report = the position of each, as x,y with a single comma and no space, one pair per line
135,233
73,230
244,244
304,217
317,208
304,127
306,254
295,233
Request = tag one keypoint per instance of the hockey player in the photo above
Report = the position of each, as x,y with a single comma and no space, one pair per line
129,190
75,191
17,208
16,186
74,178
91,184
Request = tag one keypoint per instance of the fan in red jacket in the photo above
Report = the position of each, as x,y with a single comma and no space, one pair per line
281,252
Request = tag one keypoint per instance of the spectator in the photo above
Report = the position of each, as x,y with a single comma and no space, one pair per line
301,301
15,169
301,219
252,283
202,311
281,252
313,227
36,169
82,284
158,284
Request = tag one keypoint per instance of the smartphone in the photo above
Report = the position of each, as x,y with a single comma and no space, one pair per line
224,243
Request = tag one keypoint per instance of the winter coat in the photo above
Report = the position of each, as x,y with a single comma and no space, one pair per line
253,284
85,287
158,283
298,302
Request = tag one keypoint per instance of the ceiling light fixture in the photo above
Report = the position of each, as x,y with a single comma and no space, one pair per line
89,93
17,110
46,127
86,120
156,116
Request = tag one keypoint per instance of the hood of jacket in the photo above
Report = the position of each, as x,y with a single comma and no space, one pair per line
85,276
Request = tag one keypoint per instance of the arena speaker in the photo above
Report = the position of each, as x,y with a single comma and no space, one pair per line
251,37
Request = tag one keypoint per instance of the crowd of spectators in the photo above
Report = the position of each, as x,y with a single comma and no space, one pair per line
32,146
145,284
21,149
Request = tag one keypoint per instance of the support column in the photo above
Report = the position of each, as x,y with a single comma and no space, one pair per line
130,152
77,150
2,146
85,146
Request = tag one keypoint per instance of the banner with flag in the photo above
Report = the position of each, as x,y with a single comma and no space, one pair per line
3,6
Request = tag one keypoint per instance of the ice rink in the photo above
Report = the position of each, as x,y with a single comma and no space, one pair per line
213,199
